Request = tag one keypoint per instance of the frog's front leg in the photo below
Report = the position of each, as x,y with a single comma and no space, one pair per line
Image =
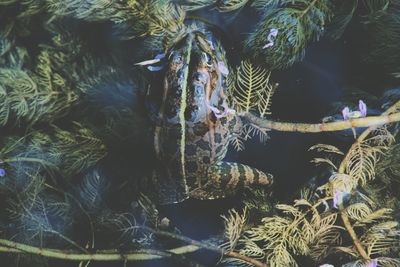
226,178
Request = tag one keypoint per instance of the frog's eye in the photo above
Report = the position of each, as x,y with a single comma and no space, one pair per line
207,59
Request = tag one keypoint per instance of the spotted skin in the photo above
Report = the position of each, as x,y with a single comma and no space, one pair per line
206,174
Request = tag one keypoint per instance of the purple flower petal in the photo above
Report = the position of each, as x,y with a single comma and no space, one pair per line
362,107
218,113
214,109
272,35
2,172
157,59
271,38
372,263
345,113
336,200
222,68
155,68
268,45
160,56
228,110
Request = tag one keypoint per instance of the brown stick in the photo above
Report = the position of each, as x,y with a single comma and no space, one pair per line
322,127
148,254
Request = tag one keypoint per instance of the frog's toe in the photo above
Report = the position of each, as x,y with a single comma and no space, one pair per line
265,178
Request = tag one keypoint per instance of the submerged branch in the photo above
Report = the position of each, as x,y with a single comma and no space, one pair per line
323,127
113,255
14,247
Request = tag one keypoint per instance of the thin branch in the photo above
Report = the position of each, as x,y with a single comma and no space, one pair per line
208,246
323,127
145,254
305,11
352,233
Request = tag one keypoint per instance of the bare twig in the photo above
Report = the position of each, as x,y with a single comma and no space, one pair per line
144,254
323,127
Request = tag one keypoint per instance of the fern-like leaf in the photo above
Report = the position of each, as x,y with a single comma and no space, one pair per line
251,87
302,230
231,5
92,191
234,227
382,238
362,157
298,22
251,130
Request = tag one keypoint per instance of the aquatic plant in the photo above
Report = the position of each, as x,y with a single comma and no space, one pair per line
298,23
252,89
310,227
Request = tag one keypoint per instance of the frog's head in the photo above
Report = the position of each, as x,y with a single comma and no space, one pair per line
196,74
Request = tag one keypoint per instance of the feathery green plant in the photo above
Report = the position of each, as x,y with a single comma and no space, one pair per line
251,89
191,5
299,229
137,18
54,150
221,5
310,227
231,5
383,28
297,23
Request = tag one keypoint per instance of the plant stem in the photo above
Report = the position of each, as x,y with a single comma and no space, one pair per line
208,246
15,247
322,127
353,235
305,11
139,255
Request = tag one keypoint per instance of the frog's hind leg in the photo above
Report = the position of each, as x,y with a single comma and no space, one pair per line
226,178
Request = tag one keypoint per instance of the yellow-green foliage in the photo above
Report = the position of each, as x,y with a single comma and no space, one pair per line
223,6
31,98
138,18
234,227
54,150
231,5
251,89
358,166
298,22
156,17
298,229
311,227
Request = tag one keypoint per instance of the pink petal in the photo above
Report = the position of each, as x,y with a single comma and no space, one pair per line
373,263
345,113
222,68
155,68
228,110
336,200
268,45
362,107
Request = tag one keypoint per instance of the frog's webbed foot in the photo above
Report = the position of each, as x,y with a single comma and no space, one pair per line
226,178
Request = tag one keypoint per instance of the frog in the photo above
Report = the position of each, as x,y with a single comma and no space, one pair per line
194,125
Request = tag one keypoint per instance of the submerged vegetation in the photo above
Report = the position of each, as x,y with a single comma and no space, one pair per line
79,155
